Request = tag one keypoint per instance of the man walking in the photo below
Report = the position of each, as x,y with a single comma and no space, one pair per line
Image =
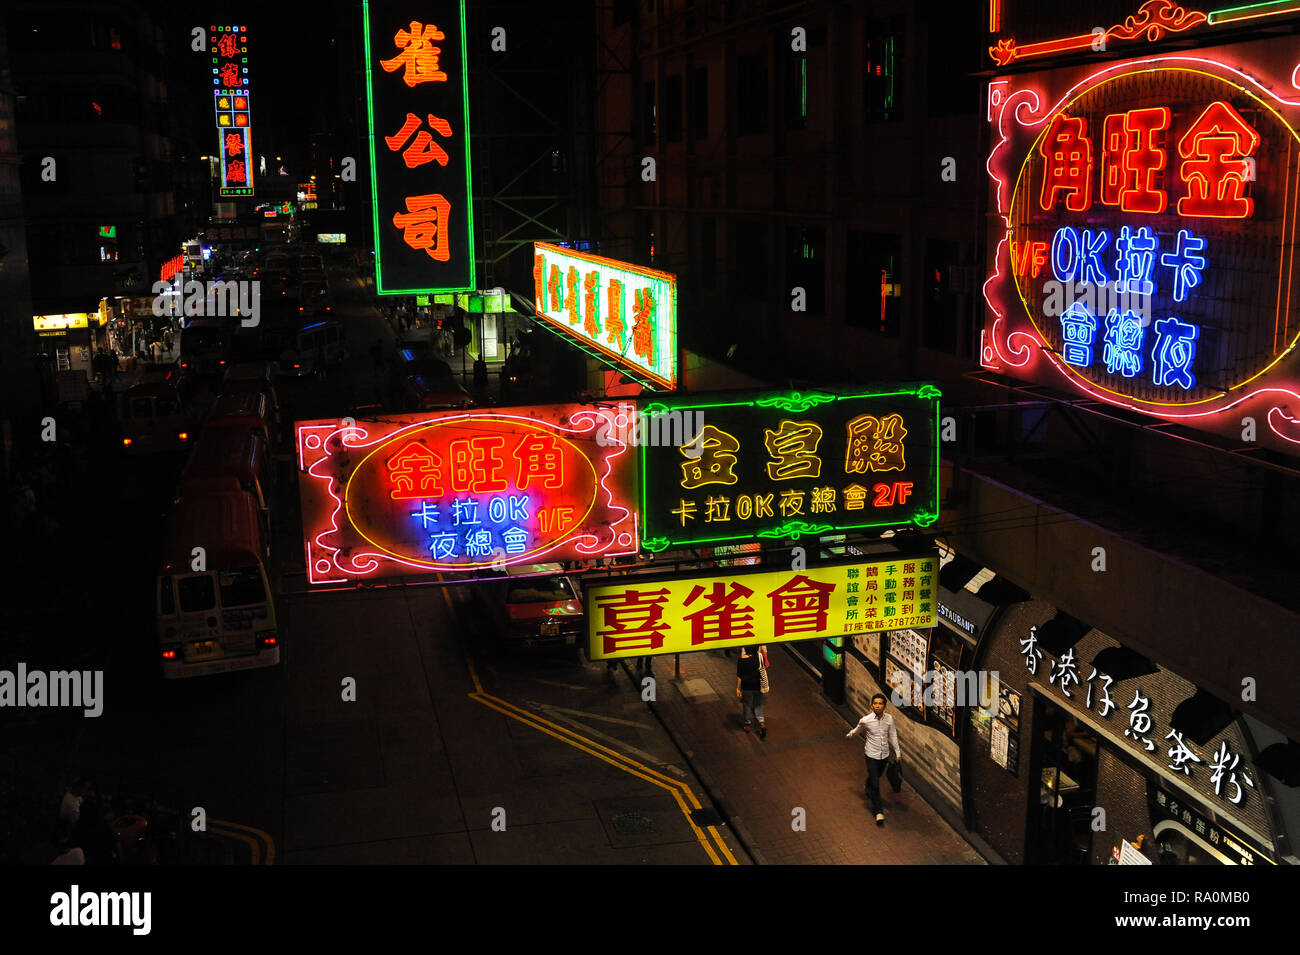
879,735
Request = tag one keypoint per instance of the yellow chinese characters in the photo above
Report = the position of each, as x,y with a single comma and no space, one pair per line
793,446
711,458
875,444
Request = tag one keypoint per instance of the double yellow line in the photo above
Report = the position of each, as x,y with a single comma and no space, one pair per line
255,839
680,792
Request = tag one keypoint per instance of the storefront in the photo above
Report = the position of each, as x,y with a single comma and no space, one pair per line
1089,742
933,671
65,340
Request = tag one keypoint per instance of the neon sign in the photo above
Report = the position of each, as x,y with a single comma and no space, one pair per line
648,616
229,48
464,491
417,99
626,313
1169,182
788,465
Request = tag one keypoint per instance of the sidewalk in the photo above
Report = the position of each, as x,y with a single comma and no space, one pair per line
804,762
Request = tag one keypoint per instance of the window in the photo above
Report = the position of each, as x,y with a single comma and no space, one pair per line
873,281
795,91
751,260
939,313
805,265
241,587
882,91
751,94
671,108
196,594
708,252
648,118
697,94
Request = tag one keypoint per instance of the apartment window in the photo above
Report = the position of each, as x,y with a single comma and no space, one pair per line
697,95
671,106
751,93
708,252
951,62
649,123
751,260
939,313
873,283
794,97
805,265
882,72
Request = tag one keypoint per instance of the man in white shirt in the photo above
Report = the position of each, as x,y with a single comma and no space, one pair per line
879,736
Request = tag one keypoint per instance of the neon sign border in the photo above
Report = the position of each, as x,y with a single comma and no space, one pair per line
319,565
921,518
374,172
1033,149
669,382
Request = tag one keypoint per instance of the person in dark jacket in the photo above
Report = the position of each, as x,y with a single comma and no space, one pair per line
749,689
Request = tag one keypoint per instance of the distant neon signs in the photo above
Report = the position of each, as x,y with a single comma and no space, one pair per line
639,617
171,268
418,103
228,46
787,465
1145,252
625,312
463,491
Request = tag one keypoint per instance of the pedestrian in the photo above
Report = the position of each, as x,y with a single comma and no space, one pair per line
879,737
749,689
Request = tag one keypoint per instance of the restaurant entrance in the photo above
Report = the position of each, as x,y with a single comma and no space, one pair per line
1065,766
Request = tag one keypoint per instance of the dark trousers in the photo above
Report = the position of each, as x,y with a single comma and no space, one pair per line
875,769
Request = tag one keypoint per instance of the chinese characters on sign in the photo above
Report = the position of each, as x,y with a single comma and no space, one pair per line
463,490
626,312
634,617
781,466
419,145
1140,251
228,46
1228,777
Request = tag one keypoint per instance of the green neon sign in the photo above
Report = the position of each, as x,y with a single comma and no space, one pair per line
623,313
423,212
786,466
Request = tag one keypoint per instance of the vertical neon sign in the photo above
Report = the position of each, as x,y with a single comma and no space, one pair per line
417,98
229,48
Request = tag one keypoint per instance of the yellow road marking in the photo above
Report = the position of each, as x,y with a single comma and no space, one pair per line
264,837
680,792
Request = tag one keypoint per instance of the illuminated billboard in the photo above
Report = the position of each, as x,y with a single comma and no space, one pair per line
1144,252
417,97
228,46
785,465
636,616
463,490
626,313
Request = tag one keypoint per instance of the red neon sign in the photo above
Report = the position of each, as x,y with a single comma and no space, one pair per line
1132,156
1215,152
464,490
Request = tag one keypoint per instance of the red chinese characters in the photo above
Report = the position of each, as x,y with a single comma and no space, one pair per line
1215,165
632,620
424,225
800,606
1216,152
1068,154
414,472
721,618
423,149
418,58
1132,154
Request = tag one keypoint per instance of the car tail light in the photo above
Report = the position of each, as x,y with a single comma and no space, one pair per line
267,640
184,435
296,365
169,653
126,442
222,362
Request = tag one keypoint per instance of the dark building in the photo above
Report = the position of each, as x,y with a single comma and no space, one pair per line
1117,516
94,132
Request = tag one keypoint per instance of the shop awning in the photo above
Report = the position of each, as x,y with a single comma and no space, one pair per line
1201,717
958,572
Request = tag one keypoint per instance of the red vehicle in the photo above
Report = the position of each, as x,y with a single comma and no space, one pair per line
153,418
535,606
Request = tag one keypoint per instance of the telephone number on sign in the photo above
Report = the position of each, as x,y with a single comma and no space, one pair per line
921,621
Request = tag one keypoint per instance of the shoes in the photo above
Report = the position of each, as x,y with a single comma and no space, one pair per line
880,819
762,731
746,727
